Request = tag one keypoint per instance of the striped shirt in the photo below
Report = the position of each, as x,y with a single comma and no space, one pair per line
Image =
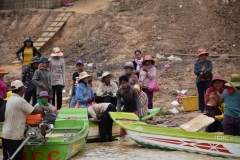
144,103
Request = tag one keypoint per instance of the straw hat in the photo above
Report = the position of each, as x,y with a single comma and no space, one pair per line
56,52
202,51
106,74
9,94
148,58
234,81
3,71
83,75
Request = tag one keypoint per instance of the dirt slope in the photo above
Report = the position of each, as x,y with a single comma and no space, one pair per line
108,33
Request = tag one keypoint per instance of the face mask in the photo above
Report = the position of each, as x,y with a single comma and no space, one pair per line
128,71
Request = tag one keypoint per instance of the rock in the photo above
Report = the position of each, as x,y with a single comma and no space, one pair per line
188,69
160,57
223,58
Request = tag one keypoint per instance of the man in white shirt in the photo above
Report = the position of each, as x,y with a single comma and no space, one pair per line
107,89
15,120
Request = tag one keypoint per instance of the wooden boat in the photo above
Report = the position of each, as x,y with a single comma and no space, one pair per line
94,136
159,137
64,141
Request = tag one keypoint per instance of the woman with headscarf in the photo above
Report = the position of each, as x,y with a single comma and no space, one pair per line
42,78
42,101
129,71
148,71
213,100
28,52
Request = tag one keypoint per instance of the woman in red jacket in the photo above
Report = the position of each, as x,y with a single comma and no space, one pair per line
213,100
216,85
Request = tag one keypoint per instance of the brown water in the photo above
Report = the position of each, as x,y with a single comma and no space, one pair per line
129,150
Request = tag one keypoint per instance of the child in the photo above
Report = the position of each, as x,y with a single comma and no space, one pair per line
138,62
42,101
101,112
231,98
130,97
84,93
57,70
75,79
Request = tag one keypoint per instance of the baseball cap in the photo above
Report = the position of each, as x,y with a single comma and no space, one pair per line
79,62
17,84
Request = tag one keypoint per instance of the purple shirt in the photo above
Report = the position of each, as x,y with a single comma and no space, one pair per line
3,89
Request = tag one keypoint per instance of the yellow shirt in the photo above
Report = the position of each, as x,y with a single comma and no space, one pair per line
28,55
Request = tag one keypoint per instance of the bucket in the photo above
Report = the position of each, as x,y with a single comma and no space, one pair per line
190,103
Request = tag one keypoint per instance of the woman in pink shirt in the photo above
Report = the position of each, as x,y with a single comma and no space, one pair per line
147,72
3,86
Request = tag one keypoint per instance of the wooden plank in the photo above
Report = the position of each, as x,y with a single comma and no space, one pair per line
51,33
46,39
39,39
69,14
54,24
58,19
50,28
65,18
39,43
62,14
60,24
56,29
45,34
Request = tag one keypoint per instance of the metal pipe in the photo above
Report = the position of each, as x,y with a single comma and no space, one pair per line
20,147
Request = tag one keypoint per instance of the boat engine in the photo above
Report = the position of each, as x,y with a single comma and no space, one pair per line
37,126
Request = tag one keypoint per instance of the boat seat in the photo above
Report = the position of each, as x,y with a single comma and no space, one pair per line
60,135
218,133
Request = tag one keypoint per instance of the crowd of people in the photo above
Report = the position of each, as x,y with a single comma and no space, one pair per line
43,80
218,98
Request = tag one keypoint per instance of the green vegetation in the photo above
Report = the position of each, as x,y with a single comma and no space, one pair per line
123,9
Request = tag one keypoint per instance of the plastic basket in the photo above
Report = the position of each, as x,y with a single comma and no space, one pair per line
190,103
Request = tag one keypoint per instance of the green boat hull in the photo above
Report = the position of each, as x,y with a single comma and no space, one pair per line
67,138
158,137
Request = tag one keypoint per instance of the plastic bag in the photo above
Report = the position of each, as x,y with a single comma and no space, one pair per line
153,85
